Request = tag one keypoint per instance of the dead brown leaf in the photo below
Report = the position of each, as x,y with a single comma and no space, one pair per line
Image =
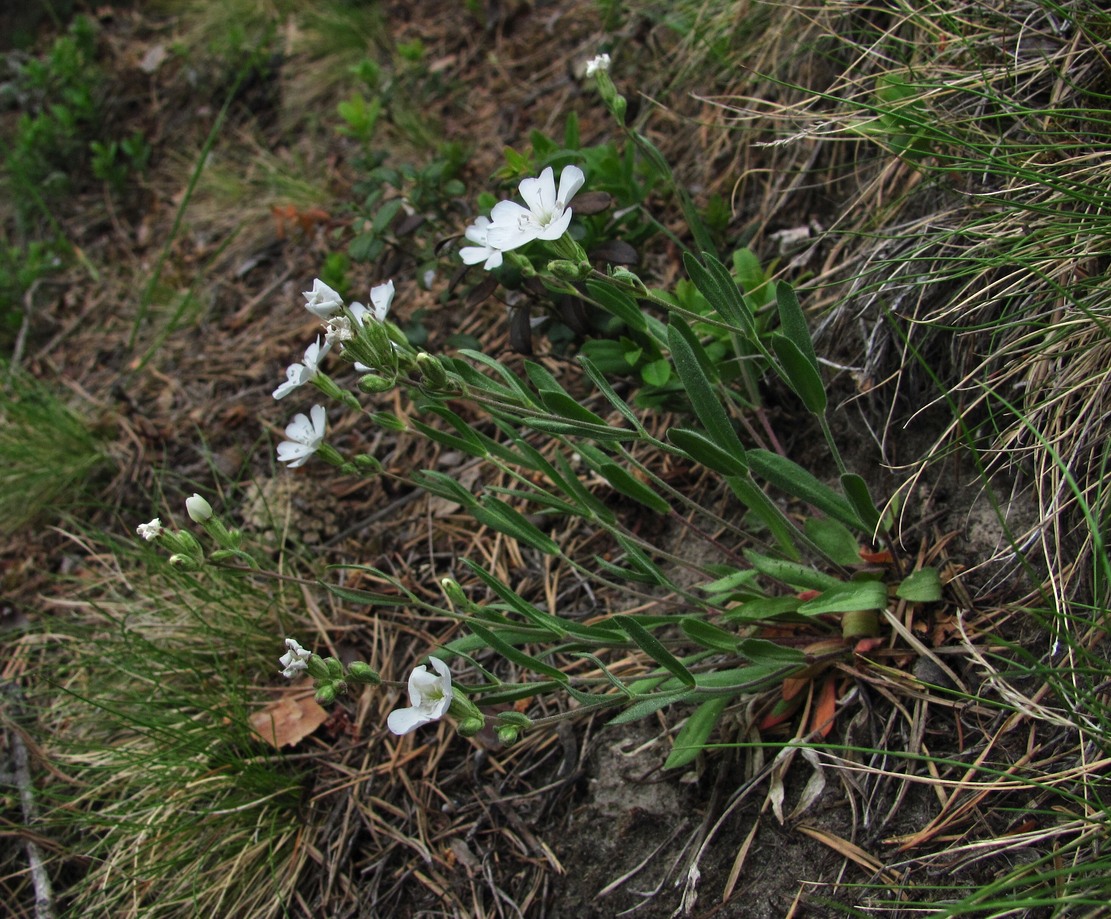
288,721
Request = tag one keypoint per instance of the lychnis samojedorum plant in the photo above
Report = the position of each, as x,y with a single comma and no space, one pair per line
802,594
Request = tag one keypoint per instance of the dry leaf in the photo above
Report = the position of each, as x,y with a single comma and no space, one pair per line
288,721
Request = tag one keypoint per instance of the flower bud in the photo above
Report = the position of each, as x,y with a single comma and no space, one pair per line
568,271
335,668
468,727
508,734
363,673
454,593
318,670
373,383
326,694
366,463
514,718
198,508
432,370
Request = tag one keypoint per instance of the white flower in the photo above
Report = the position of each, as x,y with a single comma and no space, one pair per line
381,297
429,698
322,301
198,508
305,437
482,251
338,329
601,62
150,531
299,374
546,217
294,660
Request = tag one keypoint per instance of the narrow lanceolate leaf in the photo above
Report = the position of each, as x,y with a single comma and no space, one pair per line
709,635
769,513
802,376
792,320
633,488
693,736
923,586
793,574
608,391
720,291
689,360
847,598
559,403
788,476
501,517
600,433
856,490
650,645
515,655
762,651
834,539
698,447
618,303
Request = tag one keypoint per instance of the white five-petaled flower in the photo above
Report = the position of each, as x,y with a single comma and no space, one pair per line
305,437
322,301
150,531
546,217
299,374
482,251
601,62
429,698
198,508
294,660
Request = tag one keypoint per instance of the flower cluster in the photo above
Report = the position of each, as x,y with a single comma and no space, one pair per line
511,225
342,324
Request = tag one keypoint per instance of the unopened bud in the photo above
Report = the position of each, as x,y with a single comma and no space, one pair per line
198,508
508,734
363,673
373,383
468,727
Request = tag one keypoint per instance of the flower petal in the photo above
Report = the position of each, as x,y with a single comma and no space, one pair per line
540,193
570,181
381,297
319,419
406,720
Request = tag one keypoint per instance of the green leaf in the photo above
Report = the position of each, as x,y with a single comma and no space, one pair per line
856,490
709,635
606,390
764,608
689,362
847,598
762,651
650,645
834,539
729,583
618,303
500,516
788,476
656,373
772,516
803,377
444,486
699,448
652,704
692,737
922,586
793,322
559,403
793,574
633,488
515,655
720,290
600,433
